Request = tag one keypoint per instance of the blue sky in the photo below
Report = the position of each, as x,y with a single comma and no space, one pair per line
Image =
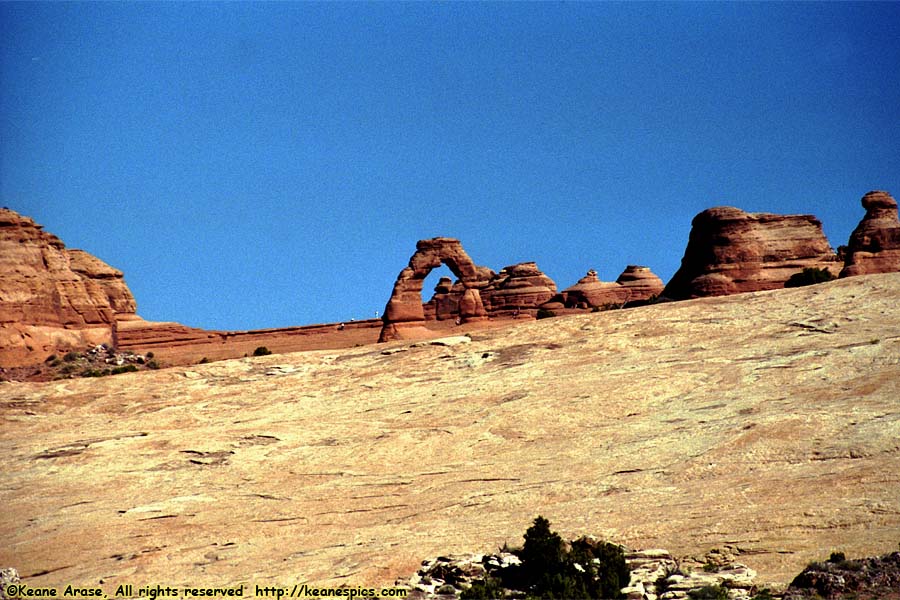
254,165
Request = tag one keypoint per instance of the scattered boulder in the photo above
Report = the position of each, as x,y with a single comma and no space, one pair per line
866,578
7,577
874,245
730,251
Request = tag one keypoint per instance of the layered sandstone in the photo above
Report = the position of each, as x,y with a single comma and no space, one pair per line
874,245
635,284
730,251
516,288
52,297
404,315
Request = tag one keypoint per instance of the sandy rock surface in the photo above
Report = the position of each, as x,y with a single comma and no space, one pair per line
769,422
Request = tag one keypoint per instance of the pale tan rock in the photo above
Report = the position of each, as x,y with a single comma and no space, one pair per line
685,426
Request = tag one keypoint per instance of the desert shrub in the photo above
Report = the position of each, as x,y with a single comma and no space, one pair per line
95,373
71,356
544,313
446,590
68,369
203,361
837,557
809,276
152,364
549,570
709,592
149,355
763,594
50,358
262,351
483,589
124,369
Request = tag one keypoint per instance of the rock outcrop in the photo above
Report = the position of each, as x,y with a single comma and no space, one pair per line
635,284
874,245
478,293
730,251
404,315
52,297
516,288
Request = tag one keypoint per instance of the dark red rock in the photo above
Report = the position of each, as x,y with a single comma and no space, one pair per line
874,245
730,251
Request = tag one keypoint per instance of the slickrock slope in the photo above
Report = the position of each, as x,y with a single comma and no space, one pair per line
874,245
52,297
730,251
769,422
635,284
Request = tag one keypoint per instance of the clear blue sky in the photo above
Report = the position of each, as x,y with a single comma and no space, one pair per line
254,165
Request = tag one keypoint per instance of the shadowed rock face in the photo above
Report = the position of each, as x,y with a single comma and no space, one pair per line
874,245
730,251
635,284
52,297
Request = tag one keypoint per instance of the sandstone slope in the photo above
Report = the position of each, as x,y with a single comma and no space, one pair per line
769,421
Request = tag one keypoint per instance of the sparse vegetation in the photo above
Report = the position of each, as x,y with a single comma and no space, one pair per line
152,364
550,569
50,358
544,313
809,276
71,356
149,355
262,351
124,369
203,361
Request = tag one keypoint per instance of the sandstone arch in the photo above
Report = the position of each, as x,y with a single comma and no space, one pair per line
404,317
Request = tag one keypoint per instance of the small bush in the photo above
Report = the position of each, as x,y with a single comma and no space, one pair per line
543,313
149,355
837,557
95,373
809,276
152,364
262,351
203,361
446,590
50,358
71,356
483,589
124,369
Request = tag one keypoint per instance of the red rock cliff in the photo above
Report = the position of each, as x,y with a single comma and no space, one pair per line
874,245
51,297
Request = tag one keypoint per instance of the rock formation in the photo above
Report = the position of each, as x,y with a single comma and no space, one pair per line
52,297
635,284
516,288
730,251
404,315
874,245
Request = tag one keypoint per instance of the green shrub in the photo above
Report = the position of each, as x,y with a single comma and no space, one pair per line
203,361
50,359
71,356
152,364
149,355
124,369
262,351
549,570
837,557
446,590
543,313
488,588
809,276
